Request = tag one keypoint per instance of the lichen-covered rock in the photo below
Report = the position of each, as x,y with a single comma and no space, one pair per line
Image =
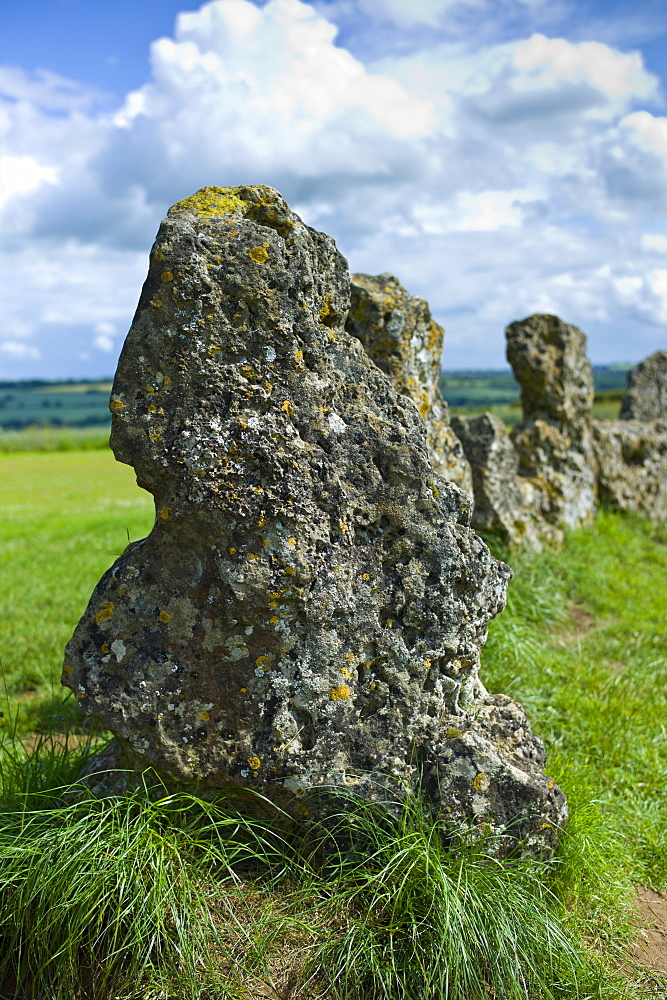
646,396
506,504
631,465
554,441
472,769
311,601
402,338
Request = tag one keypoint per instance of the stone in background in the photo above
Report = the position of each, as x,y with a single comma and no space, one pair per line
631,453
310,604
631,459
646,396
554,441
402,338
506,503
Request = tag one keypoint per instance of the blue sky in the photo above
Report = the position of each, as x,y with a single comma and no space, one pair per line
500,156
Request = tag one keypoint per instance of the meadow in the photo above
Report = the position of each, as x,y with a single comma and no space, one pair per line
172,897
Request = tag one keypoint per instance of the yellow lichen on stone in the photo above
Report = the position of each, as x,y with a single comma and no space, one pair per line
254,763
164,513
338,693
116,404
105,613
211,201
203,716
480,782
166,276
258,254
165,616
67,669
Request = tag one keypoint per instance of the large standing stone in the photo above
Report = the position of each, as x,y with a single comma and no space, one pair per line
310,604
402,338
646,396
554,442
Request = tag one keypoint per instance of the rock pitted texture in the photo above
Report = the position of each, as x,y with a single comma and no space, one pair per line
402,338
310,604
554,442
506,504
646,397
631,453
631,458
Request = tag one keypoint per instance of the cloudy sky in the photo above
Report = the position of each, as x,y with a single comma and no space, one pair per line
501,157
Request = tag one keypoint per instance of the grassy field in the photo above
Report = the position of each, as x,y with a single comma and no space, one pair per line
65,518
133,898
73,404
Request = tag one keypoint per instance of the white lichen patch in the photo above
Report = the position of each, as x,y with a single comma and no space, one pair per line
336,423
118,649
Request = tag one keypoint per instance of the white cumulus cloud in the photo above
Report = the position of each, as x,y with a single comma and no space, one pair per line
493,177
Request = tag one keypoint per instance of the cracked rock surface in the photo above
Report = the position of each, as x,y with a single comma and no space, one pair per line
310,604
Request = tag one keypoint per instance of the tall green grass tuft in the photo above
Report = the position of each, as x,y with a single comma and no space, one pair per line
138,896
449,923
113,897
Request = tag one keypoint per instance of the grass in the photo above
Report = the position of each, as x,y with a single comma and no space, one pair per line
162,895
45,437
65,517
583,646
606,406
145,896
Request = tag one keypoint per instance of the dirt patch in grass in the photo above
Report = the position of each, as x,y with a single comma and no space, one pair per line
582,624
650,950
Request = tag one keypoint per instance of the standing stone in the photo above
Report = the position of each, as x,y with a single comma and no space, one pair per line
402,338
646,396
554,442
310,604
506,504
631,453
631,466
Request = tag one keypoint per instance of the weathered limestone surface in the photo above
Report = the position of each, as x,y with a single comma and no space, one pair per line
402,338
506,504
554,443
631,458
310,604
646,397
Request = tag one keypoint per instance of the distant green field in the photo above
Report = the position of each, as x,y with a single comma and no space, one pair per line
64,518
72,404
42,410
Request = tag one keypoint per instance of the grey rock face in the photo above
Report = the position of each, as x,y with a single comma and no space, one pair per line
554,442
506,504
631,459
402,338
646,397
310,604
